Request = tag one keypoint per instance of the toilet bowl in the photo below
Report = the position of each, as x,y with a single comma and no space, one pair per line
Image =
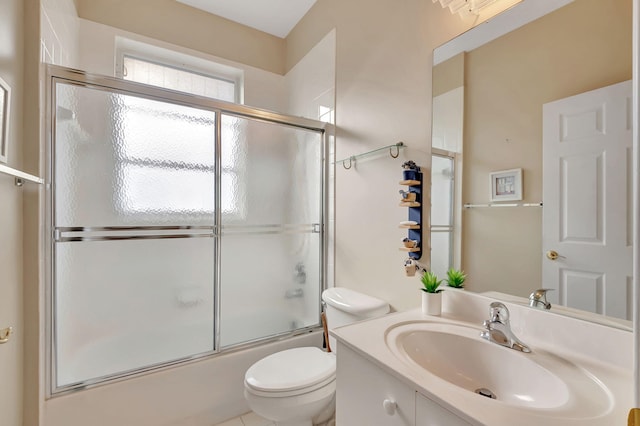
296,387
293,387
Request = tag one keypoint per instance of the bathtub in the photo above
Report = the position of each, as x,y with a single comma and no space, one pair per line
198,393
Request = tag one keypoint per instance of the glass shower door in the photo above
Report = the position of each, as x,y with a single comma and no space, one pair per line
442,220
271,238
177,227
133,219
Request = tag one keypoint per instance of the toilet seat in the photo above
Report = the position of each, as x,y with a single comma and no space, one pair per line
291,372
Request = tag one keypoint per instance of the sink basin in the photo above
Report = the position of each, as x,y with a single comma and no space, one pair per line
457,355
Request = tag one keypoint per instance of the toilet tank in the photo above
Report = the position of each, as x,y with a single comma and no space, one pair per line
344,306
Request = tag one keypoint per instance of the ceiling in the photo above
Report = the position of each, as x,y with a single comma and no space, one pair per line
276,17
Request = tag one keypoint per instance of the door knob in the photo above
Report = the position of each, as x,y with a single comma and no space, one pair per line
553,255
5,333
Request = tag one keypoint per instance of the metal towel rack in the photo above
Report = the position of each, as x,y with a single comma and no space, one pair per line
20,176
352,159
473,206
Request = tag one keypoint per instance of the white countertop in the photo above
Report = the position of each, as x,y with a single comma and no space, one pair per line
605,353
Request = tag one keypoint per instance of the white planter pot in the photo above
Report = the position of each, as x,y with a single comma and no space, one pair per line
431,303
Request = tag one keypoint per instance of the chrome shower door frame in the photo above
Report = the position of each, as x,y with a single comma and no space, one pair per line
57,74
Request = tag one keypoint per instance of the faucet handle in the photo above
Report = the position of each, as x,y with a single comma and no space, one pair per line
498,312
540,297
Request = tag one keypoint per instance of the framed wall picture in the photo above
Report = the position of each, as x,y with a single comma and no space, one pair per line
5,103
506,185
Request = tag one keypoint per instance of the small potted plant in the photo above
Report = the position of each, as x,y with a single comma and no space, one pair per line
455,278
431,294
410,171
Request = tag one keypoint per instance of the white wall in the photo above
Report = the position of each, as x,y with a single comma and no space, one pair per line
383,95
11,283
383,83
59,32
311,82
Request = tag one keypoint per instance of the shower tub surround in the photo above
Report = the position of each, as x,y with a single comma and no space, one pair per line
180,228
204,392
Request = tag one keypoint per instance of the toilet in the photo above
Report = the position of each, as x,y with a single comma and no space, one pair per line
296,387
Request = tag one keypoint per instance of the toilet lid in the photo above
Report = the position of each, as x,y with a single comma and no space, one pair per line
291,369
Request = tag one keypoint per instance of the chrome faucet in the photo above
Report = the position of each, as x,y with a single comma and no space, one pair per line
498,329
538,299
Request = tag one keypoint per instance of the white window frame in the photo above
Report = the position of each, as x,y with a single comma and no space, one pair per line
180,61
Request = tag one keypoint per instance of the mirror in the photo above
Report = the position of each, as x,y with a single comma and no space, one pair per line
488,109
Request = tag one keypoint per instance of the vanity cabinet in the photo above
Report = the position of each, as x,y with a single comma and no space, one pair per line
428,413
368,395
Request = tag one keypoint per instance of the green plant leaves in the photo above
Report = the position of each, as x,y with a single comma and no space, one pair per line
455,278
430,282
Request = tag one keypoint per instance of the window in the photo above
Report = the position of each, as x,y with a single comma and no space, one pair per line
137,166
172,69
174,78
168,144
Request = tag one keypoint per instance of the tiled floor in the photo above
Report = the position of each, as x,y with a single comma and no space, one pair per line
252,419
248,419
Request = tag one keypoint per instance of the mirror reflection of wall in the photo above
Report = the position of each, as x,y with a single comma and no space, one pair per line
580,47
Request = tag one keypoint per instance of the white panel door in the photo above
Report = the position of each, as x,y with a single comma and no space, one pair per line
587,200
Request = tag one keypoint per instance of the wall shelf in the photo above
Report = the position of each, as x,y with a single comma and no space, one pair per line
493,205
20,176
412,177
409,204
409,226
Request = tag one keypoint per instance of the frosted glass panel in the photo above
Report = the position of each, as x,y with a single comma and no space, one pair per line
135,232
272,193
440,253
441,190
272,173
270,285
118,310
125,160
